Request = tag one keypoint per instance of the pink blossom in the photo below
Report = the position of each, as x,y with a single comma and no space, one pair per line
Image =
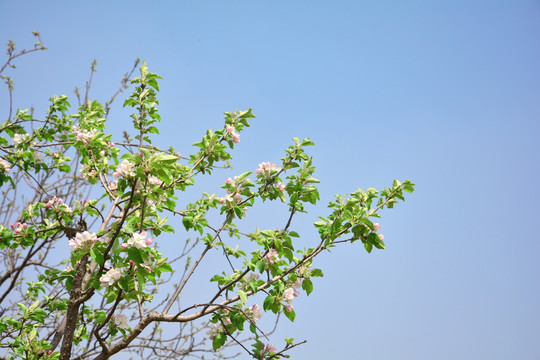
229,180
154,180
149,241
376,226
131,262
271,255
266,168
270,348
88,171
236,138
5,166
281,187
113,186
227,198
288,308
83,135
289,294
123,245
381,237
230,129
255,312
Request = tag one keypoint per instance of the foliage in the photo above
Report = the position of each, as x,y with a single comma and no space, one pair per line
108,199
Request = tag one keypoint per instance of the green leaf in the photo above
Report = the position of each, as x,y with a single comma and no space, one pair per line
243,296
165,268
316,273
69,283
291,315
307,285
168,159
218,341
238,211
188,222
368,246
261,264
97,256
135,255
242,176
268,302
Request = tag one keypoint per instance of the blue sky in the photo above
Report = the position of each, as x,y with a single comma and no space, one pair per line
442,93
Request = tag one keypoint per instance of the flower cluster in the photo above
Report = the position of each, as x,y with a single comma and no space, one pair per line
272,255
5,166
377,226
18,227
20,138
229,198
58,204
84,240
113,186
110,277
268,348
124,169
154,180
84,135
214,330
290,293
266,168
254,312
235,136
88,171
138,240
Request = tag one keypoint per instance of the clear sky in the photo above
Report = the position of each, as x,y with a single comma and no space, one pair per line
446,94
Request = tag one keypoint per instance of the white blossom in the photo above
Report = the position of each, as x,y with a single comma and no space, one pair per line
124,169
121,321
19,138
5,166
111,276
255,312
138,240
84,240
